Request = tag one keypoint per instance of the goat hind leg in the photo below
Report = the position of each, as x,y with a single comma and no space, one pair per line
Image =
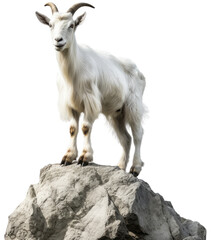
124,137
137,131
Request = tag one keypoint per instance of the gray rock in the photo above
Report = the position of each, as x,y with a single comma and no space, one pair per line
96,202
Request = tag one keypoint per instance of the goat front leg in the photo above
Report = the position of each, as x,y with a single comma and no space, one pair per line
87,154
72,152
92,109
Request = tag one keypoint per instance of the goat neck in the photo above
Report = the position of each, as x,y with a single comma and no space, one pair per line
68,60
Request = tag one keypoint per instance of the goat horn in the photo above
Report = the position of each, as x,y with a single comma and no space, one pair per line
52,6
75,7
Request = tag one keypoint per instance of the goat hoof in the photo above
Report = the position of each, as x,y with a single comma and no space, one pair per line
133,172
67,163
84,164
63,160
68,158
80,160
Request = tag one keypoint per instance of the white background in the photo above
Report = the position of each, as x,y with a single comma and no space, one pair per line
170,41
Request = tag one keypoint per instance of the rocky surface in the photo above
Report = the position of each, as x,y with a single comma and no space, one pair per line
96,202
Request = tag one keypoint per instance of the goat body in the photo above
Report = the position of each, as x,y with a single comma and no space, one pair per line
98,83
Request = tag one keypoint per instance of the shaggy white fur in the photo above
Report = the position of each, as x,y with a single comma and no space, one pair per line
94,83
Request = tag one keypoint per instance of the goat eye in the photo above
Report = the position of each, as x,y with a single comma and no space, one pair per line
50,25
71,25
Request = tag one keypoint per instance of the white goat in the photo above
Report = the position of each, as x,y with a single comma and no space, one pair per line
95,83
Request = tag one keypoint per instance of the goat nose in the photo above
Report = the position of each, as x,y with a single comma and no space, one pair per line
59,39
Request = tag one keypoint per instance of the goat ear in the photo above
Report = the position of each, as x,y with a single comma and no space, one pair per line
42,18
80,19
